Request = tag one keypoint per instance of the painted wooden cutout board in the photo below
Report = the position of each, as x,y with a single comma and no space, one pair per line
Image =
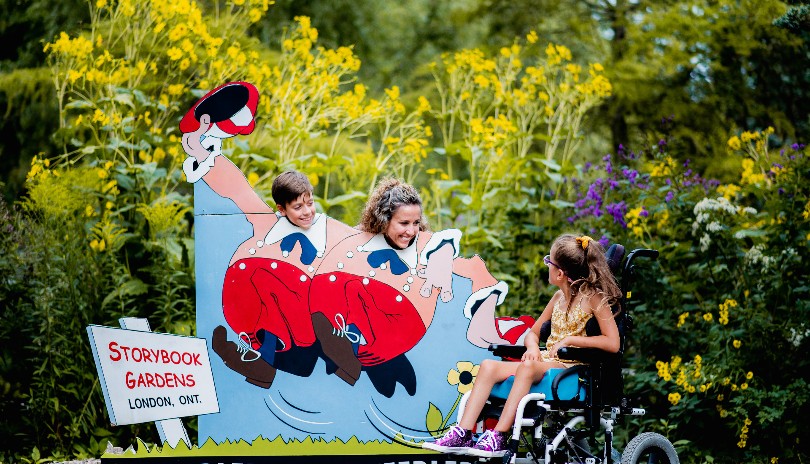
326,332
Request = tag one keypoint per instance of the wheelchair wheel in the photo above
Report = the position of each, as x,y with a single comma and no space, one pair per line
649,447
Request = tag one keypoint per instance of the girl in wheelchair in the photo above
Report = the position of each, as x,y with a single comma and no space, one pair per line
587,288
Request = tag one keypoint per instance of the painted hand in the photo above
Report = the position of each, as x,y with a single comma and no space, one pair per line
191,140
439,273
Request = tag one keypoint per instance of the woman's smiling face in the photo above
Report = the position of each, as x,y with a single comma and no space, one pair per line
404,225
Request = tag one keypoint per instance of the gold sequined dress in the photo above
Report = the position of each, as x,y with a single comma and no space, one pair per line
565,324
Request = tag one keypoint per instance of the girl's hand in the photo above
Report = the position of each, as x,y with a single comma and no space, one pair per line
531,354
560,344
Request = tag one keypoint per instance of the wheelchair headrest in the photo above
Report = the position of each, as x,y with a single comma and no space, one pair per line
614,256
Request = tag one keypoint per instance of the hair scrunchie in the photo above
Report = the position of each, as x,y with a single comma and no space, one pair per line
584,241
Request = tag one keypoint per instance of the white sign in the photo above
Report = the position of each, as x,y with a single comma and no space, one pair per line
150,376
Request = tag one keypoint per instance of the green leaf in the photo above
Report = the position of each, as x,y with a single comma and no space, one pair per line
561,204
434,418
124,98
131,287
79,104
346,197
551,164
750,233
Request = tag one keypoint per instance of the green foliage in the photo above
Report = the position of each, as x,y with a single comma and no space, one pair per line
29,119
724,313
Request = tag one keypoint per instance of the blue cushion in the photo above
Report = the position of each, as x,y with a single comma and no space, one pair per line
568,389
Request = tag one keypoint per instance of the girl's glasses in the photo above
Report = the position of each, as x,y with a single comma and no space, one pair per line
548,262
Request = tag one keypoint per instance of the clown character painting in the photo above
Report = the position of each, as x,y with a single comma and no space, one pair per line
266,288
304,288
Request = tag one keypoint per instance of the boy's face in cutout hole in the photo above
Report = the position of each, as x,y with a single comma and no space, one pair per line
300,211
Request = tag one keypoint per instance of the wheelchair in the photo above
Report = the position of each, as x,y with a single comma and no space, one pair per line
569,409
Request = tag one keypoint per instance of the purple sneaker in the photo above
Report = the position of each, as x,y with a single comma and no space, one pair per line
456,440
492,444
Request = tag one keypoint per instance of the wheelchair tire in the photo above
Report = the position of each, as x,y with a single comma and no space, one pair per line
649,447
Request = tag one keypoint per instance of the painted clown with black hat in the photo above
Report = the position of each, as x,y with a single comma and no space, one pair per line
265,294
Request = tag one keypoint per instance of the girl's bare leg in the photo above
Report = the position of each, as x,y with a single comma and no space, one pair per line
490,373
527,374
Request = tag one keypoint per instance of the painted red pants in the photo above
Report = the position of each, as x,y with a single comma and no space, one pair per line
269,294
387,320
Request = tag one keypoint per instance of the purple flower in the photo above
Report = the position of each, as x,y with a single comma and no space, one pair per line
630,174
604,241
593,193
670,196
618,210
643,212
587,166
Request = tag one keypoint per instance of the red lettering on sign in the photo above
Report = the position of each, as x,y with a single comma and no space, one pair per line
116,356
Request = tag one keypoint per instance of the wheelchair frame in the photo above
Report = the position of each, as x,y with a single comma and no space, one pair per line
555,422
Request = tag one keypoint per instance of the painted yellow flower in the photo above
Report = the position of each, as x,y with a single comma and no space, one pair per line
463,376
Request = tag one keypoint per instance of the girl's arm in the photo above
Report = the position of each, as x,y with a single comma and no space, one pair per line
532,339
608,341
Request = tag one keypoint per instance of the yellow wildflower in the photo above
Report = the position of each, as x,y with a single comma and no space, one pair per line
734,143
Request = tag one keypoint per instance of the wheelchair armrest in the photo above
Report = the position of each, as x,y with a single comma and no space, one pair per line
586,355
507,351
